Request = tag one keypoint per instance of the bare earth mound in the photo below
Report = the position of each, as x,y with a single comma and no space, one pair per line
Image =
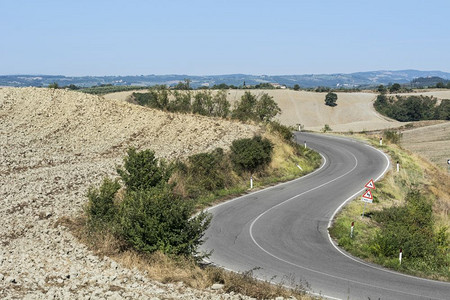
354,111
54,144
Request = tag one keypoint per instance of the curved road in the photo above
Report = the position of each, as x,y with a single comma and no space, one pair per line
281,232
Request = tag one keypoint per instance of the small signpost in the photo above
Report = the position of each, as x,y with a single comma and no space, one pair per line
400,256
351,230
381,141
367,197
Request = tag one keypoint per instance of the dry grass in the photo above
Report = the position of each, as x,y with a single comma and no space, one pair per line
165,269
391,191
432,142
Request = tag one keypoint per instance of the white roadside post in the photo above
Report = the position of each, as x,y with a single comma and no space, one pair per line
351,230
299,127
448,165
400,256
251,181
305,144
381,141
398,166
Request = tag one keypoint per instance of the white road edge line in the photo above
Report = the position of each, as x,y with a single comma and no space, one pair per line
353,258
353,196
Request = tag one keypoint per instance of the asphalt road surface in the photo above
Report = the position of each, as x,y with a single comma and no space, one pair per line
281,232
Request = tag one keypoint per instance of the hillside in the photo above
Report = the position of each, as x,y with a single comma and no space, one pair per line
354,110
371,78
54,144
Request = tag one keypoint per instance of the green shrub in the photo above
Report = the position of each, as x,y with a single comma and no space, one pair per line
145,99
142,170
408,227
53,85
100,208
283,131
206,172
392,136
250,155
157,220
326,128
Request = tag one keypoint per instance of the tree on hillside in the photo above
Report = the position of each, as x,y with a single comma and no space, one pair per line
221,105
181,103
330,99
382,89
266,108
243,110
296,87
396,87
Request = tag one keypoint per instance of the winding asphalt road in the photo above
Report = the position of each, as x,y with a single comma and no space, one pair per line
281,232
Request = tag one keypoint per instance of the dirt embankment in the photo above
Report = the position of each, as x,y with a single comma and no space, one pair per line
54,144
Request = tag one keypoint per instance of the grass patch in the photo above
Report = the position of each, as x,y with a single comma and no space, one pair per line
174,269
418,196
144,219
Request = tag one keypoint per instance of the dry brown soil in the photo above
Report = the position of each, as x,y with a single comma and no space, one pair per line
54,144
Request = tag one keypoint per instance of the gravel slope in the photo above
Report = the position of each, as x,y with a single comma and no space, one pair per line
54,144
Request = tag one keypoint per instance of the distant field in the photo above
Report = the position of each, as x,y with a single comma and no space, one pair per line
439,93
354,110
431,142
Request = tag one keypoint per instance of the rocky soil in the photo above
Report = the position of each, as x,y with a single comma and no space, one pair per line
54,144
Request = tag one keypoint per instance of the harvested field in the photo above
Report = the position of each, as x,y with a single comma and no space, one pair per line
354,111
54,144
431,142
438,93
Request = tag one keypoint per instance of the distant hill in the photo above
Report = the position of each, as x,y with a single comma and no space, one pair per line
428,81
352,80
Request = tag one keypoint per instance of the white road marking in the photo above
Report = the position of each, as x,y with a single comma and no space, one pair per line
329,223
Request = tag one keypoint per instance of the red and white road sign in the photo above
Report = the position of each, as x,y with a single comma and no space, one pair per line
368,195
370,185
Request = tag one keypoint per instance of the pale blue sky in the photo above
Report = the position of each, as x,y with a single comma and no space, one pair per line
134,37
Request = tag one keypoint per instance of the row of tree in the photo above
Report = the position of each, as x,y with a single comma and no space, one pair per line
250,107
412,108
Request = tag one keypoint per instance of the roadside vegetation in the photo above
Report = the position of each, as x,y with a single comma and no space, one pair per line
151,216
412,108
409,212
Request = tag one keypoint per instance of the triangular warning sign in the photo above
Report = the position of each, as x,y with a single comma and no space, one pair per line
370,185
368,194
